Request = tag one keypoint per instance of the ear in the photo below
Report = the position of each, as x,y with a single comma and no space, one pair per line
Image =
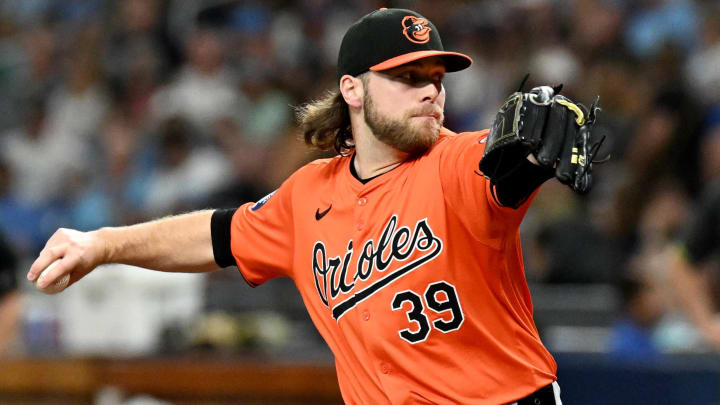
352,90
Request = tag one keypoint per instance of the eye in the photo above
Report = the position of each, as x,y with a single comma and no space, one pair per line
416,78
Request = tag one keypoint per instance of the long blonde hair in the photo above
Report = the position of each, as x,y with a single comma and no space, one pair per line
325,123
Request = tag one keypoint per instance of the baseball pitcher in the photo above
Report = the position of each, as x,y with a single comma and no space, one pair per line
405,247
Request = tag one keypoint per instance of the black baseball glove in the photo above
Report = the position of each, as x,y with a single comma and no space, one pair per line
554,130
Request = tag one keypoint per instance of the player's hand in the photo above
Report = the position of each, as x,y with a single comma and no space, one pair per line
549,130
79,253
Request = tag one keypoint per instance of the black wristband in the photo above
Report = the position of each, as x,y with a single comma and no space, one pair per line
514,188
220,232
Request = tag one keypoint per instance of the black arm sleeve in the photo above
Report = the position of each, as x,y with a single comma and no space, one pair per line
702,235
220,232
514,188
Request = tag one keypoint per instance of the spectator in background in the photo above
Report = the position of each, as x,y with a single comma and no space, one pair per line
655,24
186,174
643,306
701,73
33,168
138,54
695,258
78,104
38,181
666,212
564,246
249,162
9,296
267,116
659,148
115,191
16,217
29,70
205,89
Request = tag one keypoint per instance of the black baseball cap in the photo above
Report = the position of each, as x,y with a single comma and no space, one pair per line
390,37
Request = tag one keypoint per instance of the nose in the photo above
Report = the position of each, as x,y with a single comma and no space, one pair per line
431,91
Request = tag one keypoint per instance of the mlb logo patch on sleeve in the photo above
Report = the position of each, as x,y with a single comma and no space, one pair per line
261,202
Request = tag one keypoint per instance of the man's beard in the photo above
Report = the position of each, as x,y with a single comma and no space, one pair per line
403,134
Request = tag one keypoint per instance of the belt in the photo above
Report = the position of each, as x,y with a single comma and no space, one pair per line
547,395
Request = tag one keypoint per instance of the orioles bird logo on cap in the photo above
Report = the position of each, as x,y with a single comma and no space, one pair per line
416,29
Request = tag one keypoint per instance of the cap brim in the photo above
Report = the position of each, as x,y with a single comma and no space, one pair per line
454,61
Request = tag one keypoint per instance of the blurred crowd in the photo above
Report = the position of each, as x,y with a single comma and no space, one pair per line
120,111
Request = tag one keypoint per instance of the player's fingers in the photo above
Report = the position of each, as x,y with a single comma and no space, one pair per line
46,257
71,264
54,248
54,271
567,162
553,136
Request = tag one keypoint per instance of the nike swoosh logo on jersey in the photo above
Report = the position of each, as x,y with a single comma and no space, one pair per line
319,215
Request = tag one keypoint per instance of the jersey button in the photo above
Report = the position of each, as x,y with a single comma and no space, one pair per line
360,226
362,201
366,315
385,368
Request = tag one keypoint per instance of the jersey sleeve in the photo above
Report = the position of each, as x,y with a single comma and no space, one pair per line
701,236
467,190
261,236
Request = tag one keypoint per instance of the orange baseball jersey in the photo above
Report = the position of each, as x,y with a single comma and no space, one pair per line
414,279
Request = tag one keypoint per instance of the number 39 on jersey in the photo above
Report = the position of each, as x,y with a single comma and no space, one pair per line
439,297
